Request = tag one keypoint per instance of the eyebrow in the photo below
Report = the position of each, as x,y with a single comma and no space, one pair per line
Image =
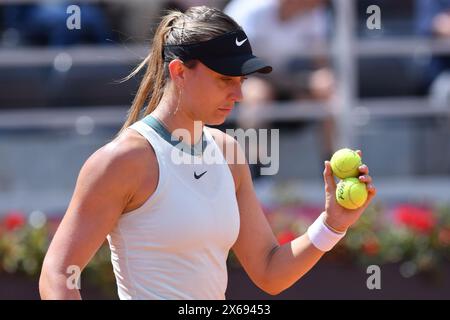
231,77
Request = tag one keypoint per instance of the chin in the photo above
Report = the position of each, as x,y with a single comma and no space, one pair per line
215,121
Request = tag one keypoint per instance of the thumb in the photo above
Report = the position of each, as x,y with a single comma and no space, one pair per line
330,184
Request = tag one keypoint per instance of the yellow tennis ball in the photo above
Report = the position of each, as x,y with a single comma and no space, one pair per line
351,193
345,163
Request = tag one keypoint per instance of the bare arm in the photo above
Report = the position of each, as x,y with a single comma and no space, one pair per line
272,267
103,190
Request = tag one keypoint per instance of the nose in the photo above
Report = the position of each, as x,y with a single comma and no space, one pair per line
237,93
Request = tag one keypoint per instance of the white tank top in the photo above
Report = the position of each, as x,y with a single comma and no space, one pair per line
175,245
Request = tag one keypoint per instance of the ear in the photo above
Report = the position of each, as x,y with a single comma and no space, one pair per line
177,71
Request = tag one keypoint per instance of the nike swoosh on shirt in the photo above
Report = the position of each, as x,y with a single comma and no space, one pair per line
240,43
200,175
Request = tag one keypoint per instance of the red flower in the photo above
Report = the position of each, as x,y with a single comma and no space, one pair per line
14,220
419,219
285,237
371,247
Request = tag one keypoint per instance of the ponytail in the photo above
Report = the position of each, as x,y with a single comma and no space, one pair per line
154,80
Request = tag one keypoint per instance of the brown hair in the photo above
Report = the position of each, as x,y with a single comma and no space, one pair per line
196,24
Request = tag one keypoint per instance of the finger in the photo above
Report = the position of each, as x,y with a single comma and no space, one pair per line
359,152
330,184
371,188
372,193
365,178
363,169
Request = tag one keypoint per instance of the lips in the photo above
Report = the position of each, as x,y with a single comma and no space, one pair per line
226,111
227,108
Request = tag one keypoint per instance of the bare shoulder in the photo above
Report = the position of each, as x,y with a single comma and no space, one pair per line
128,164
129,152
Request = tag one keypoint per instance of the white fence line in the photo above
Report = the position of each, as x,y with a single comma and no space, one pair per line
124,54
286,112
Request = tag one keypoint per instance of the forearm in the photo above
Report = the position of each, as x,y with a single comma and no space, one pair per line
289,262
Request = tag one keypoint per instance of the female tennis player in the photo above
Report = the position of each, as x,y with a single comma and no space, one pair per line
170,226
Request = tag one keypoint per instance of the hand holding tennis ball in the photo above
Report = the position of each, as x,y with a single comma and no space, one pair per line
346,201
350,192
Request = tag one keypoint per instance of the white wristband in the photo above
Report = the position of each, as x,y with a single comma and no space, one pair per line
321,236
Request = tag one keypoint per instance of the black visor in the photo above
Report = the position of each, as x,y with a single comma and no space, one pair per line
229,54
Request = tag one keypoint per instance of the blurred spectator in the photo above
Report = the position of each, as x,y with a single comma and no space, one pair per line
257,93
45,24
433,17
433,20
279,30
239,9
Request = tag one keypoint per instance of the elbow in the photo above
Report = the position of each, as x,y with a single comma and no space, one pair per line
278,286
55,285
52,284
275,284
43,283
273,292
272,288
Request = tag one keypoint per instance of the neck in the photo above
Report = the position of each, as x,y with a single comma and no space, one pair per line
179,123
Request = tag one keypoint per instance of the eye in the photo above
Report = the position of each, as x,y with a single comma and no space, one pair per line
243,79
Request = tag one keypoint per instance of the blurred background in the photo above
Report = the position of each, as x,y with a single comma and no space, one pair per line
346,74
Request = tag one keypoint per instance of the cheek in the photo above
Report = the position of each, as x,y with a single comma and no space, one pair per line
196,98
196,92
205,94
